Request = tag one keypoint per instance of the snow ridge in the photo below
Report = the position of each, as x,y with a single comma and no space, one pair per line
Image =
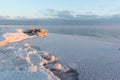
23,58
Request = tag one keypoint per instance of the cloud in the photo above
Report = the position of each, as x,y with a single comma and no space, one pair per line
91,16
65,17
9,17
66,14
115,16
4,17
58,14
50,10
20,17
72,18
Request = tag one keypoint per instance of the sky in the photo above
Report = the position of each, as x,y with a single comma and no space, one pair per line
53,8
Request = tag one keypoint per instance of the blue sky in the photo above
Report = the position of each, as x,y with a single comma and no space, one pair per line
41,8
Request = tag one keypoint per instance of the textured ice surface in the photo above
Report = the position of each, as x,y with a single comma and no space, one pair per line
22,62
94,59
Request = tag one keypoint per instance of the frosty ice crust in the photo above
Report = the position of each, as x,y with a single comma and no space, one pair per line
25,57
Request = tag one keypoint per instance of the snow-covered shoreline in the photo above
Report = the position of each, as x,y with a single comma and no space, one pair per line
23,62
26,58
88,56
92,58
